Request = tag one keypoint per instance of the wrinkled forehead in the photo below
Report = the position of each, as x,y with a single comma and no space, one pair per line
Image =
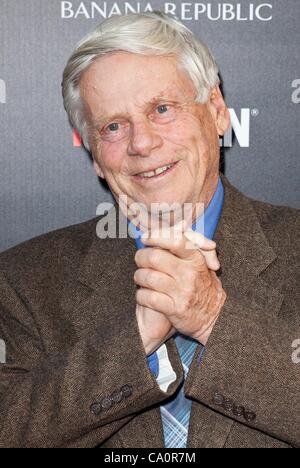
118,77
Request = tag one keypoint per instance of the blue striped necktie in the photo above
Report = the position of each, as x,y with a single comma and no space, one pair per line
176,414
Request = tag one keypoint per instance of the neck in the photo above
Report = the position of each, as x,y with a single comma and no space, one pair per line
208,191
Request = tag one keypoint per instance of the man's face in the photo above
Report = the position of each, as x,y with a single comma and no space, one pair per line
142,117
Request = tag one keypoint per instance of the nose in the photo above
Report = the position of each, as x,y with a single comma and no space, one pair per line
143,139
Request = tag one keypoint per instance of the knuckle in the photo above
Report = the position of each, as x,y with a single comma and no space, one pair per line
153,299
154,257
146,298
181,304
149,277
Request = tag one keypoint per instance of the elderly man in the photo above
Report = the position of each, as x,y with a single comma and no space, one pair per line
182,340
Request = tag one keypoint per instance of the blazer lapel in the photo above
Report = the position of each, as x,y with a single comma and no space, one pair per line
244,251
103,288
244,254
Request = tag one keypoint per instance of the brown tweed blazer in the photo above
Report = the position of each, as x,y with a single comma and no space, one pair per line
67,316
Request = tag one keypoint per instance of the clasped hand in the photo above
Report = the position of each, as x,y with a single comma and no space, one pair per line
178,288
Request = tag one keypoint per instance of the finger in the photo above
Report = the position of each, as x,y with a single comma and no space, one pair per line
200,241
158,260
155,280
161,229
208,249
211,259
178,244
164,261
154,300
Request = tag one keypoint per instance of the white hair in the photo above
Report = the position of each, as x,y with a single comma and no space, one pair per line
152,33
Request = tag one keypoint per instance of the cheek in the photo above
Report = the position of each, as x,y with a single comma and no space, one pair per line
209,129
204,138
191,139
110,157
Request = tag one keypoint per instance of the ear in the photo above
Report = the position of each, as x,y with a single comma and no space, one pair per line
98,170
219,110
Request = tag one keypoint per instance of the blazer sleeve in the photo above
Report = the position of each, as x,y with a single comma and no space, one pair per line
76,398
248,372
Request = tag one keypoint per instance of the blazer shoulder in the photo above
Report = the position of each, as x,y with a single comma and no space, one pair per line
280,222
49,253
281,226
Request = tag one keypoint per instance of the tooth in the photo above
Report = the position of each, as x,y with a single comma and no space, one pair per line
158,171
161,170
148,174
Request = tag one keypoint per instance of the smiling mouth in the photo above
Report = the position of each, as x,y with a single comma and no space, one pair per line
155,173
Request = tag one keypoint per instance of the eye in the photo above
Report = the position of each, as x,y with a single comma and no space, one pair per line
114,127
115,131
163,109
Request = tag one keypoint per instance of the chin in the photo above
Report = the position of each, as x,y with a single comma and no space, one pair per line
163,199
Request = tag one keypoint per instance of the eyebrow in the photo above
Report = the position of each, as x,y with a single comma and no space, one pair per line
102,119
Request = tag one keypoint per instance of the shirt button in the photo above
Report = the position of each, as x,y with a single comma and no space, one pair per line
228,405
106,403
238,411
126,391
96,408
249,416
117,397
218,399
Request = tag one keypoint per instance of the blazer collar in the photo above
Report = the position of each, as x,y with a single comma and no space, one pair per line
244,251
110,259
